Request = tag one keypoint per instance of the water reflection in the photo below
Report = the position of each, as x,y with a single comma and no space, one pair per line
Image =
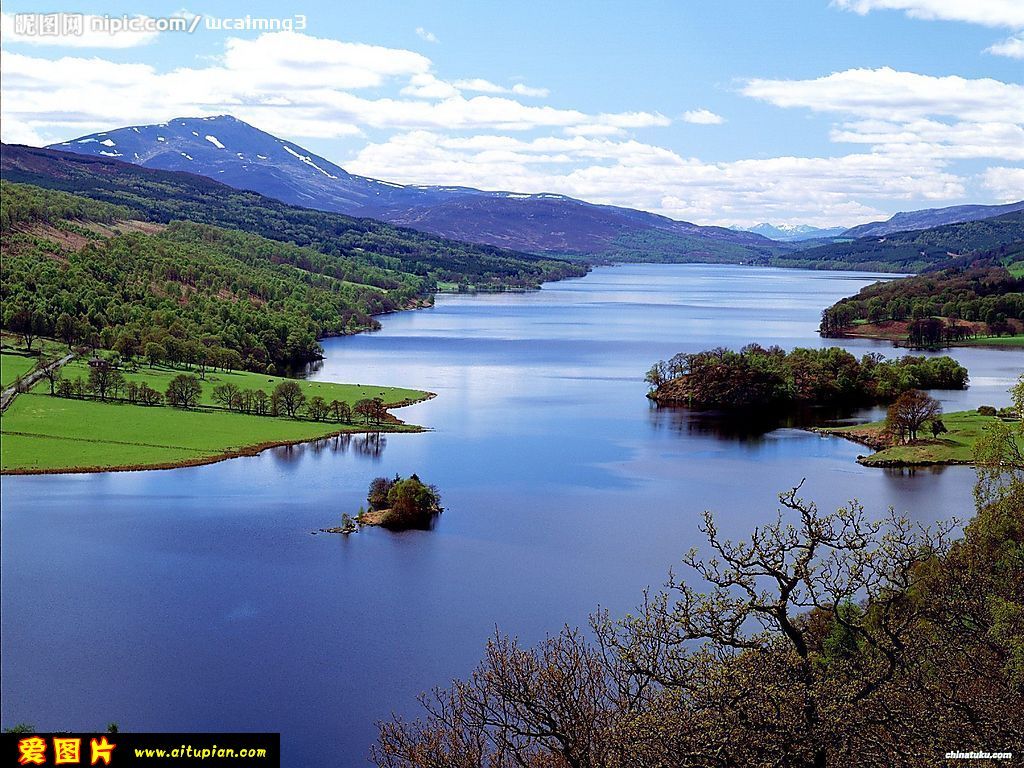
365,445
748,425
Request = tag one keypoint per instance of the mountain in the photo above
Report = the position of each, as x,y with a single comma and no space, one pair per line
931,217
163,196
235,153
916,250
789,233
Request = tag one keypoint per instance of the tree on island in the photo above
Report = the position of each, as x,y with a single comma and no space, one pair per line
406,503
341,411
908,414
318,410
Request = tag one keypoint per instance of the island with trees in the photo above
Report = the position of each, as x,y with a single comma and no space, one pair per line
757,376
396,503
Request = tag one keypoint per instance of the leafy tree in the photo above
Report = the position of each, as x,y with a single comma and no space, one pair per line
288,398
341,411
155,353
104,379
907,415
183,391
226,395
317,409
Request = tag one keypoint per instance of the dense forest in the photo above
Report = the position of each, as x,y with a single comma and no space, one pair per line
826,639
165,196
982,291
197,291
912,251
754,376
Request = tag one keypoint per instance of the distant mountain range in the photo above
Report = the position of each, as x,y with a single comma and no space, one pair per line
162,197
239,155
931,217
918,250
792,233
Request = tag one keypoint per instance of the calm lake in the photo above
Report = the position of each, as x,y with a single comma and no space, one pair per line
196,599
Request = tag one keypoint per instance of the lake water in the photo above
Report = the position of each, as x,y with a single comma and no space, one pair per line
196,599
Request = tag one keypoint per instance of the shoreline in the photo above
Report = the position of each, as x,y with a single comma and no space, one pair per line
866,461
244,451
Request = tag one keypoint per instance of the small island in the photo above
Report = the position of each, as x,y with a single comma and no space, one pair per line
397,504
757,376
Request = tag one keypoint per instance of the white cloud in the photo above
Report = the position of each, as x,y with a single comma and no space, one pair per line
702,117
88,38
284,81
934,139
891,94
479,85
992,13
821,190
906,129
1007,184
521,89
1012,47
427,35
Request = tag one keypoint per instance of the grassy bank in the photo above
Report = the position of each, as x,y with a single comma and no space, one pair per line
953,447
13,367
42,433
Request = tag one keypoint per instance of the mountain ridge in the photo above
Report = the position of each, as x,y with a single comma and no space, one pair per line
242,156
929,218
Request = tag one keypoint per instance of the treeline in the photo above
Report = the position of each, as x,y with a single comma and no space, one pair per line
23,204
165,196
912,251
106,382
982,293
723,378
198,293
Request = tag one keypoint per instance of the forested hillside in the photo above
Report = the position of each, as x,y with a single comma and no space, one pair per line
184,292
983,294
164,196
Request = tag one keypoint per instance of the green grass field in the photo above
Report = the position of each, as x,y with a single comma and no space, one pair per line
13,367
45,433
993,341
41,432
956,446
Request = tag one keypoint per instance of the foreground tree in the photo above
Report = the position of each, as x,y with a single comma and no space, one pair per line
823,640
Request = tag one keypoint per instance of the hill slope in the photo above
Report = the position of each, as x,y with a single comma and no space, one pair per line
931,217
913,251
163,196
237,154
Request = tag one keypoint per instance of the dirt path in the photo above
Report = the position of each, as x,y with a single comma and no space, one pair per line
29,381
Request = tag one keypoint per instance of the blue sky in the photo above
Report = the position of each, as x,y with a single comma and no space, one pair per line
730,112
